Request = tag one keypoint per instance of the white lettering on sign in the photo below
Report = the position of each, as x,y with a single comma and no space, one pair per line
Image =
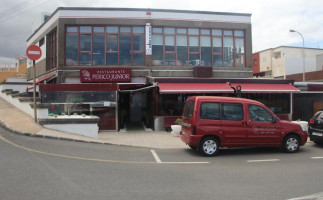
110,76
34,52
148,41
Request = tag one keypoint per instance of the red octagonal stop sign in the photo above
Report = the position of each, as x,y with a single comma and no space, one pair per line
33,52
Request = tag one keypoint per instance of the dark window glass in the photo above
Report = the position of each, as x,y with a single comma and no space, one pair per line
72,29
169,43
112,58
157,48
138,59
210,111
217,60
169,105
194,44
157,30
195,59
259,114
169,30
181,47
239,44
112,29
191,109
232,111
98,29
85,58
217,45
138,42
85,29
85,42
240,61
125,49
138,30
98,49
170,59
112,43
71,49
228,51
206,52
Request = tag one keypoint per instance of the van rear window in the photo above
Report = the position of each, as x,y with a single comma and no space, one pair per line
188,109
191,109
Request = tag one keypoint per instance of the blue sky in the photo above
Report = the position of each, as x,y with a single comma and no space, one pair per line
271,19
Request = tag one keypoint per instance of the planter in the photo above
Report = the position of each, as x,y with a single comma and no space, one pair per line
175,130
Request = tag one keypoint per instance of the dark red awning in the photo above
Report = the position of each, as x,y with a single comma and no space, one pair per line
266,88
194,88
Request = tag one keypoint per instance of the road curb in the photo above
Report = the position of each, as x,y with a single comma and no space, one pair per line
4,126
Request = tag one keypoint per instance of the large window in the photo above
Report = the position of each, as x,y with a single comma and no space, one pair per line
198,47
125,45
105,45
51,51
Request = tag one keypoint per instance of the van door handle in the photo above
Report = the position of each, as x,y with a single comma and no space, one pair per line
245,123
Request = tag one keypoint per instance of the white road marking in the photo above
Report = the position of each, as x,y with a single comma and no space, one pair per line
160,162
268,160
317,158
312,196
156,156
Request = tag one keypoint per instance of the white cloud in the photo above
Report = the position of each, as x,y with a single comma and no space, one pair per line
271,19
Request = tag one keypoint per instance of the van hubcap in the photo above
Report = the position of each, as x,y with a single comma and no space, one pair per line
209,147
292,144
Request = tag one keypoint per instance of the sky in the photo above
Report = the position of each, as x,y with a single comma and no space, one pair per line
271,20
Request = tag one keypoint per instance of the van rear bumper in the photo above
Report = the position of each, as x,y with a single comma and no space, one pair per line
192,140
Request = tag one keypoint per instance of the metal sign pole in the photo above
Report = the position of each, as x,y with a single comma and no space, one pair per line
34,92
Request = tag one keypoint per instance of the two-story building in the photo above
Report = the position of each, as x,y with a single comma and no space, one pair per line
137,66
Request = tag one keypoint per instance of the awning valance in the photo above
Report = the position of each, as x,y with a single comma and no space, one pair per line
225,88
266,88
194,88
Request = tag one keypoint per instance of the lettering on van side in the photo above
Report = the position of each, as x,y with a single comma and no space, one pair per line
264,131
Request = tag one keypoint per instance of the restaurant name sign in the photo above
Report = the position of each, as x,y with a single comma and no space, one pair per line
105,75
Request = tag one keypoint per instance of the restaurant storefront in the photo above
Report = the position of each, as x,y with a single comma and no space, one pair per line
111,62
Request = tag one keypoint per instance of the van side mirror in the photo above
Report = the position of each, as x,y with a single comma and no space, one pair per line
274,120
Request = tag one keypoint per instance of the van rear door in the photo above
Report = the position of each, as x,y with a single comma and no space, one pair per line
187,118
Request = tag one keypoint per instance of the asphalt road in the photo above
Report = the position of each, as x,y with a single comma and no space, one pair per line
40,168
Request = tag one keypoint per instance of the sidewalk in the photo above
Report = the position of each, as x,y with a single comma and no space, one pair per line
19,122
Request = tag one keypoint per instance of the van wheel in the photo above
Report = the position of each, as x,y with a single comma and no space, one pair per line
291,144
209,146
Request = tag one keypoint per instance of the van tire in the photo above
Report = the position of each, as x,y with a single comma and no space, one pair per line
291,144
209,146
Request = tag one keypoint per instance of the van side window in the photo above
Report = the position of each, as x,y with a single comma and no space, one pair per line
210,111
190,109
259,114
232,111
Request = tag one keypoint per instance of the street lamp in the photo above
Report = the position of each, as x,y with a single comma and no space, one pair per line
293,31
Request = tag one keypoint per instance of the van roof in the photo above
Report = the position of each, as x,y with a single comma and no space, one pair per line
228,99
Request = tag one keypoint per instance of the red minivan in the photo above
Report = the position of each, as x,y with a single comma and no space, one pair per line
209,123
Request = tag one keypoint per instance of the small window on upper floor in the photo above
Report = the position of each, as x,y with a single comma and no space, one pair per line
277,55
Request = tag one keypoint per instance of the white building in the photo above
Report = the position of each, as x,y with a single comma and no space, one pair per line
283,61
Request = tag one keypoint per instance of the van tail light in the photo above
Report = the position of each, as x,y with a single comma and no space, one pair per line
312,121
193,130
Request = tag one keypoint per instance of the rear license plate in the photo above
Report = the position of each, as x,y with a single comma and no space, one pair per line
317,134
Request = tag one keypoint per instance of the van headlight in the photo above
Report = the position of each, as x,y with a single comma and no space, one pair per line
304,128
